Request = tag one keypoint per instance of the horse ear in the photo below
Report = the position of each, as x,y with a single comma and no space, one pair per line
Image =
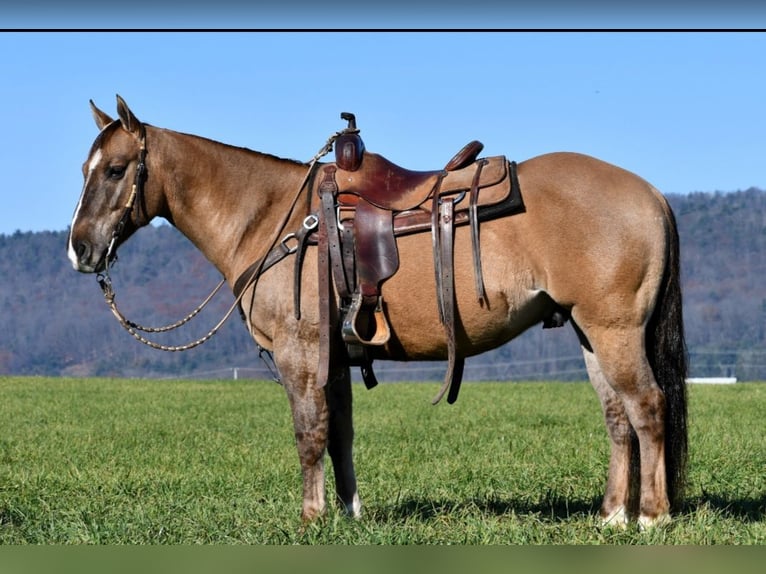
102,119
127,118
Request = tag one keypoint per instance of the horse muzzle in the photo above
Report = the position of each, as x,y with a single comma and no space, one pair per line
85,257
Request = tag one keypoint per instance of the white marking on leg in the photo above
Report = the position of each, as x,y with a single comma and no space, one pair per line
355,508
618,518
648,522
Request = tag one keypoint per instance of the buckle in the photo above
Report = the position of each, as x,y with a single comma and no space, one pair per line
311,222
284,245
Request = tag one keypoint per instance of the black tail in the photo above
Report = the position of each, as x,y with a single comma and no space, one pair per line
666,349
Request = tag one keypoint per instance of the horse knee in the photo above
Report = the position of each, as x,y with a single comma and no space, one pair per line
311,445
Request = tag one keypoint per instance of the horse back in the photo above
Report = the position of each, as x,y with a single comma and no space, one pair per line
591,232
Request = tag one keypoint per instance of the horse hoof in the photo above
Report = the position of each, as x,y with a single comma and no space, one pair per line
618,518
650,522
354,508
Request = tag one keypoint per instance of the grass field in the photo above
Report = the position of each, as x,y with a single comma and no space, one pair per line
103,461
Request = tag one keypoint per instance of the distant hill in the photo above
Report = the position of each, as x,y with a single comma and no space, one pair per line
55,321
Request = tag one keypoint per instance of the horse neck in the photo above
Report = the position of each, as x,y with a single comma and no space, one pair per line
228,201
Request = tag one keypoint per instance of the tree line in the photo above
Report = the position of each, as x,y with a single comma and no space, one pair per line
55,321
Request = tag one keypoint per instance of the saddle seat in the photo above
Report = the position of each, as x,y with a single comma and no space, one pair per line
386,185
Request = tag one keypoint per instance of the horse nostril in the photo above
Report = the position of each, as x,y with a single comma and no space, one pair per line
82,249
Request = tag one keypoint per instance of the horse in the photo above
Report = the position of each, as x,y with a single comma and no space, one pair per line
593,240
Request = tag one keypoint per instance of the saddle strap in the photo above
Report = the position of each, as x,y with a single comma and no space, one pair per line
474,222
445,292
302,237
325,240
333,246
280,251
328,190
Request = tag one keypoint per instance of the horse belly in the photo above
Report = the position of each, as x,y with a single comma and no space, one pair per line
410,298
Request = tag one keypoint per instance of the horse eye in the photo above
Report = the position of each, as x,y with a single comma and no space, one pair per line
115,172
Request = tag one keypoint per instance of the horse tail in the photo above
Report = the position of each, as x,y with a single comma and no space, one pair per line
667,354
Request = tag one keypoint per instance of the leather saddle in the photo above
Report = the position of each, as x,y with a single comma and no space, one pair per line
362,202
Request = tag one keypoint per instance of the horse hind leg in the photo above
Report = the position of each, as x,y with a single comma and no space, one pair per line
631,398
622,480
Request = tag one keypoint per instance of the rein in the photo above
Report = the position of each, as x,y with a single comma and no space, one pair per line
110,257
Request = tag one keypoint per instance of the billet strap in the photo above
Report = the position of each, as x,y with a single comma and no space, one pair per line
446,297
436,239
327,239
474,221
328,190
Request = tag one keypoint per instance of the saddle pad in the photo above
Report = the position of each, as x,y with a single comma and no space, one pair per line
494,183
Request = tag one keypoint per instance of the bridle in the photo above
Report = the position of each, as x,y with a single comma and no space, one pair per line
136,196
275,253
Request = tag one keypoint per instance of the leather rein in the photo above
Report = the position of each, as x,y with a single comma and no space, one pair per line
276,252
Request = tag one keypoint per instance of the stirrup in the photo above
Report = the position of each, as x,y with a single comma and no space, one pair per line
357,327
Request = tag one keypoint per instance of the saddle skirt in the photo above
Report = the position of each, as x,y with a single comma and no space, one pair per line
406,194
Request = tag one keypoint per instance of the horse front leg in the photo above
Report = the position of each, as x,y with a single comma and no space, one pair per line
322,420
311,418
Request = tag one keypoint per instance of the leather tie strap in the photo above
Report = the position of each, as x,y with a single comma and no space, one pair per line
436,239
446,298
474,221
327,191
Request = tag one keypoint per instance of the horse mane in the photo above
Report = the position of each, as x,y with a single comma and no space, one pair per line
97,142
236,147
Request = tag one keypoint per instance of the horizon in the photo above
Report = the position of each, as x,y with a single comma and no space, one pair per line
682,109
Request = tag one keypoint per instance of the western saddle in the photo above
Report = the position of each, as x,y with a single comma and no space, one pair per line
359,205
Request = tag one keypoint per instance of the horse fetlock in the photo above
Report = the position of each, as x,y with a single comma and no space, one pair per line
312,511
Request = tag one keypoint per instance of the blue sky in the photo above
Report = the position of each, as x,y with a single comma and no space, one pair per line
682,109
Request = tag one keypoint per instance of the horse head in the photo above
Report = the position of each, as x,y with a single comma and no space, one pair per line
115,198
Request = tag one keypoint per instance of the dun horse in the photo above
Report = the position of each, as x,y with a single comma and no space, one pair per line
593,244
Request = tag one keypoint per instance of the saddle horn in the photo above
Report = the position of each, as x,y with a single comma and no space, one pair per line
349,147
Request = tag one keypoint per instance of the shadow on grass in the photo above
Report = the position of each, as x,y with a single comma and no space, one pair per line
557,509
743,509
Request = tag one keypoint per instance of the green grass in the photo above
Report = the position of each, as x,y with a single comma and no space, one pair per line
103,461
